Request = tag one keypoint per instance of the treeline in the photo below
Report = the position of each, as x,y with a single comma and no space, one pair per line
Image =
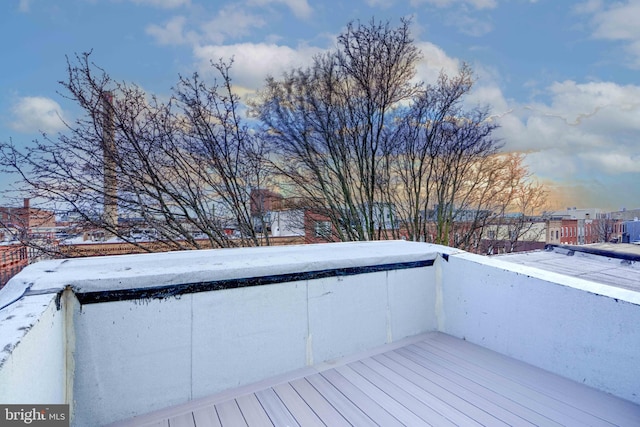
356,136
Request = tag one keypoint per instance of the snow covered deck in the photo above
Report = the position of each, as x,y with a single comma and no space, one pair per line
432,379
120,337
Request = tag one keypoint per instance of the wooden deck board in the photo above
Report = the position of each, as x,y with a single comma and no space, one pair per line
403,414
327,413
550,399
347,409
533,399
252,411
230,414
526,414
416,405
206,417
437,390
303,414
480,397
361,399
277,411
182,420
592,401
435,402
437,380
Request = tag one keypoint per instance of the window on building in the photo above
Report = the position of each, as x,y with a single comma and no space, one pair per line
322,228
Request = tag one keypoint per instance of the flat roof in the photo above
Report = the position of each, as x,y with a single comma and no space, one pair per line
609,264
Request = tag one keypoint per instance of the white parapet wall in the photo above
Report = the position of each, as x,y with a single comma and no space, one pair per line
152,331
117,337
578,329
33,365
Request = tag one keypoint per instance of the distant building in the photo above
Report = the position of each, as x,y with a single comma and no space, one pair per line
13,258
26,220
631,232
19,224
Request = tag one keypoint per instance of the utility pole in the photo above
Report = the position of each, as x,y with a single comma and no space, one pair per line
109,159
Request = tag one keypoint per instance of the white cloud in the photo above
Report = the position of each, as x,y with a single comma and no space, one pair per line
470,25
172,33
253,62
477,4
300,8
35,114
231,21
165,4
617,21
434,61
585,128
383,4
612,162
24,6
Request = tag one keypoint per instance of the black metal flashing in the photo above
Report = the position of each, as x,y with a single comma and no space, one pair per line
571,249
161,292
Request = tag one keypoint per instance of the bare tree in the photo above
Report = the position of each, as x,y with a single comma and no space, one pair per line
183,168
517,203
604,228
330,122
379,154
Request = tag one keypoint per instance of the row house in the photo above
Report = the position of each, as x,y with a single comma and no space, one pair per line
18,224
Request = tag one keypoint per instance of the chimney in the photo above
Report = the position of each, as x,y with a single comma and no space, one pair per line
110,177
26,202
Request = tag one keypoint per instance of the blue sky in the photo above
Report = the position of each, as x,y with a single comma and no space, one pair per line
562,76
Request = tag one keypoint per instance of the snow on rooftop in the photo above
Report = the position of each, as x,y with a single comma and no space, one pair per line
169,268
611,270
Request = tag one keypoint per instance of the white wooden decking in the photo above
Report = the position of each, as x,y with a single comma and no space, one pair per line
433,379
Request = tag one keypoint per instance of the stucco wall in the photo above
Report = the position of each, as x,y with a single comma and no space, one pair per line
577,329
33,369
141,355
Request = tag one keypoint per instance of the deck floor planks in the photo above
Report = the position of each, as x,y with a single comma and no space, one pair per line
351,412
535,400
437,380
183,420
590,400
206,417
230,414
325,411
580,401
440,406
277,411
514,406
303,414
417,406
358,397
403,414
433,387
480,397
252,410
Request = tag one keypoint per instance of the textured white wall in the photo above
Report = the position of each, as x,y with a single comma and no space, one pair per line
34,371
137,356
546,319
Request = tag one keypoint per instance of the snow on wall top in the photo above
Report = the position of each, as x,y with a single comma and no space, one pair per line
168,268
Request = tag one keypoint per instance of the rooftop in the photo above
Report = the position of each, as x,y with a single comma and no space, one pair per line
353,333
430,379
606,263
